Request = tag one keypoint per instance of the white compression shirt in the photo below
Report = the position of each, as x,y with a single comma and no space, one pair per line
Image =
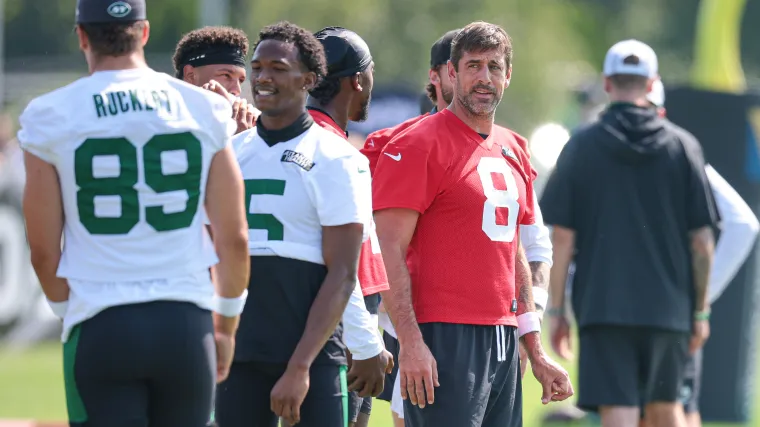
739,228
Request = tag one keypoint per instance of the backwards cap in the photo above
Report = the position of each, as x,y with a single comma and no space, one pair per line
105,11
346,52
631,57
440,52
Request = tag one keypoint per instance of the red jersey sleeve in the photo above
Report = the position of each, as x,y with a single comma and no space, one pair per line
407,175
523,144
373,146
516,153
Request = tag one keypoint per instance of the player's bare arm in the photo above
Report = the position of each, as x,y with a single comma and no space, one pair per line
553,378
225,208
340,248
563,242
43,211
417,367
702,250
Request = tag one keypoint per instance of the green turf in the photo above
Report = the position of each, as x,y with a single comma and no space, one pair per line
31,386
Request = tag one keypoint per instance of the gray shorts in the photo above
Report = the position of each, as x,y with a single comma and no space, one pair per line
150,364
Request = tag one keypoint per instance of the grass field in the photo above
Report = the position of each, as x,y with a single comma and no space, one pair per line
31,387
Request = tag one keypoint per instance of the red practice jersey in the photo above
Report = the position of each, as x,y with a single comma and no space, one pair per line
372,275
377,140
471,199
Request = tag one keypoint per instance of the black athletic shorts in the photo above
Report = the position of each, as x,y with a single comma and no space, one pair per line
150,364
630,366
243,400
391,344
692,384
479,373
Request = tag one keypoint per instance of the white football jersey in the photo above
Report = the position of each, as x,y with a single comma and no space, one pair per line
132,149
296,187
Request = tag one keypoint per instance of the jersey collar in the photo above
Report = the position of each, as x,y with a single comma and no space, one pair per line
272,137
324,117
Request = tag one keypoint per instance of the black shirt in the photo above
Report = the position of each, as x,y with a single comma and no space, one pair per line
632,186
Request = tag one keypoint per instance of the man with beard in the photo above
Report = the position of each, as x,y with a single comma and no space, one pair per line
309,209
455,180
534,238
343,95
214,58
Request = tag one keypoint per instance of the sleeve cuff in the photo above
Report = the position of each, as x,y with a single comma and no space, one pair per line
368,350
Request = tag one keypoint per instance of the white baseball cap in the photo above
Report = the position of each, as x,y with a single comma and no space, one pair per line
631,57
657,95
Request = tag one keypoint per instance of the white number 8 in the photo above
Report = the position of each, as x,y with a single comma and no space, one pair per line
508,198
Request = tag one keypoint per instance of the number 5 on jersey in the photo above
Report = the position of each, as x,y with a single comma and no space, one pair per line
97,186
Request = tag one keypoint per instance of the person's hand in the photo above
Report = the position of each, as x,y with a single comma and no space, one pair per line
524,362
559,332
699,335
217,88
288,394
243,113
553,378
418,372
367,377
225,349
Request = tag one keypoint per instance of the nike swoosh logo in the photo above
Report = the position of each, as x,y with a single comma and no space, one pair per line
397,157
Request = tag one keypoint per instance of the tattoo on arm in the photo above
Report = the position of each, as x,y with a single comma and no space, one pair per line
523,283
702,248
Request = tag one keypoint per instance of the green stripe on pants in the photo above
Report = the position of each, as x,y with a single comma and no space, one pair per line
344,393
74,404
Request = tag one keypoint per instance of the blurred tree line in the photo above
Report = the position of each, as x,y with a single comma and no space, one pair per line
558,44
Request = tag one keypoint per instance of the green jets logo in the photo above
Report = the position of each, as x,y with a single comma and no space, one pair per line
119,9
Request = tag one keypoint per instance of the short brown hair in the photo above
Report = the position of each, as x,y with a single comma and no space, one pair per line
627,82
114,38
481,36
198,41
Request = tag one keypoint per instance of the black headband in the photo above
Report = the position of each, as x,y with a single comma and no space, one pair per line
216,55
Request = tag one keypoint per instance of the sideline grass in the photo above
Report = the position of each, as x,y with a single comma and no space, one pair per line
31,387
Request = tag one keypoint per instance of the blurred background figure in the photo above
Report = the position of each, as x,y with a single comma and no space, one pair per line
630,203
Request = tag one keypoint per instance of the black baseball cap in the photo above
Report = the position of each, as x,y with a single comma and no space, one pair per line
441,50
104,11
346,52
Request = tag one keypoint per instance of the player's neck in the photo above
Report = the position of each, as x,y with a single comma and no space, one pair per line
336,110
280,121
480,124
634,98
113,63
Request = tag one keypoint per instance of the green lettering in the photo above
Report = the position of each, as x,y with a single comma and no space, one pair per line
168,100
112,107
156,99
136,105
100,107
121,95
275,229
148,102
124,184
189,181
